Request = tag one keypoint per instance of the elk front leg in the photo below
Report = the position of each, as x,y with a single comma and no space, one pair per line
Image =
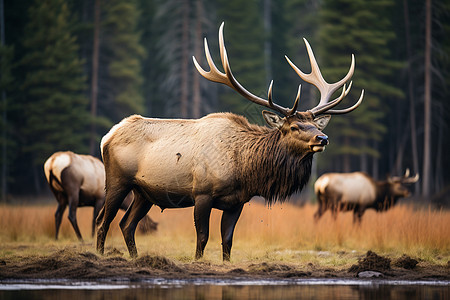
227,225
138,208
202,212
357,215
114,198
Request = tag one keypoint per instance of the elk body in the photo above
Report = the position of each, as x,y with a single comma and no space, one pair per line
219,161
79,180
358,191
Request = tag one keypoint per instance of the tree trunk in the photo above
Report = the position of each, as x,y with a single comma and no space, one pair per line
37,180
347,159
375,165
412,107
94,81
268,39
426,188
197,95
438,175
4,114
364,165
185,60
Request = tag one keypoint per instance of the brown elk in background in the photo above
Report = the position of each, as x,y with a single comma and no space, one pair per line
358,191
219,161
79,180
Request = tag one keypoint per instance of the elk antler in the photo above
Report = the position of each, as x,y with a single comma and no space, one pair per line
326,89
406,178
315,78
228,79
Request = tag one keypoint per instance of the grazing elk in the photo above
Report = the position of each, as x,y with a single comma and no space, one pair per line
358,191
79,180
219,161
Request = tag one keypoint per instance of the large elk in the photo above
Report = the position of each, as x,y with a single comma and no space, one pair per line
219,161
358,191
79,180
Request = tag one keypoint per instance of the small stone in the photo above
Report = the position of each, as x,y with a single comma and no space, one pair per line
369,274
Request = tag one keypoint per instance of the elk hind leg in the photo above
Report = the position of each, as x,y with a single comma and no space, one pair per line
202,212
73,205
357,215
138,208
62,204
227,225
320,209
97,207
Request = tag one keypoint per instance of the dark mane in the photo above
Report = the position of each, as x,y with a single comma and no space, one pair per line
269,168
384,198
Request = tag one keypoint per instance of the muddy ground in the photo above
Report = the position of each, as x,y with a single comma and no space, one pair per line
75,264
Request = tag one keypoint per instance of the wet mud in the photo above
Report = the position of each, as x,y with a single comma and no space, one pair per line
74,264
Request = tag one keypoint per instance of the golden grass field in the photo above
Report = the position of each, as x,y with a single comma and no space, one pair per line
283,232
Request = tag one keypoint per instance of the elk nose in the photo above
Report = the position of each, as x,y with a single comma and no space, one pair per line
323,139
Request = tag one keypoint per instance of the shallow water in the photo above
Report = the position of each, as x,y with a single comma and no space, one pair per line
227,289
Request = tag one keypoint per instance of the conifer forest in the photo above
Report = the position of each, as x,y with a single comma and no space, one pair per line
71,69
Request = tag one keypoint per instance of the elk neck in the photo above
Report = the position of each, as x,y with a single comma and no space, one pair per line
385,199
270,169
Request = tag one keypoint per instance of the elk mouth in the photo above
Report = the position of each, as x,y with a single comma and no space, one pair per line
317,148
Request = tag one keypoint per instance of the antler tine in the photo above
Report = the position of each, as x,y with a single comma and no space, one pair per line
326,89
228,79
407,179
346,110
323,108
406,173
297,98
269,93
411,179
214,74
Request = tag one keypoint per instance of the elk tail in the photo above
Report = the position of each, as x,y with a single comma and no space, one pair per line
54,178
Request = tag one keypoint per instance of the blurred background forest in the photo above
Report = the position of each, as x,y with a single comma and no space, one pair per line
70,69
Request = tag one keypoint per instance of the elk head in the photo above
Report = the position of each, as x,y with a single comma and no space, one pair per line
301,130
398,184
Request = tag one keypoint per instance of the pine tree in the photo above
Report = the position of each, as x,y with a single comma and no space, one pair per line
179,28
54,107
362,28
6,81
293,20
244,39
121,54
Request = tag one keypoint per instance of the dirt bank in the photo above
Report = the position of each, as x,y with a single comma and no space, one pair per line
72,263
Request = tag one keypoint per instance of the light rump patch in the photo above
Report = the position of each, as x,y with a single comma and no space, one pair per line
79,180
56,165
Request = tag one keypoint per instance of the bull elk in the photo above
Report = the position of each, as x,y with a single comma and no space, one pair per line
219,161
79,180
358,191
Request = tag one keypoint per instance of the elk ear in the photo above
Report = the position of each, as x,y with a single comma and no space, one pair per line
322,121
272,119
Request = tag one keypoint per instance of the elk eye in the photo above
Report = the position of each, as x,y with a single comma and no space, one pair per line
294,128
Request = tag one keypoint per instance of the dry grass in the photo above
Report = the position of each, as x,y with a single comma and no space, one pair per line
280,233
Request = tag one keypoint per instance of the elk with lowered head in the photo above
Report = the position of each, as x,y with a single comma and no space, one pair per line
358,191
79,180
219,161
